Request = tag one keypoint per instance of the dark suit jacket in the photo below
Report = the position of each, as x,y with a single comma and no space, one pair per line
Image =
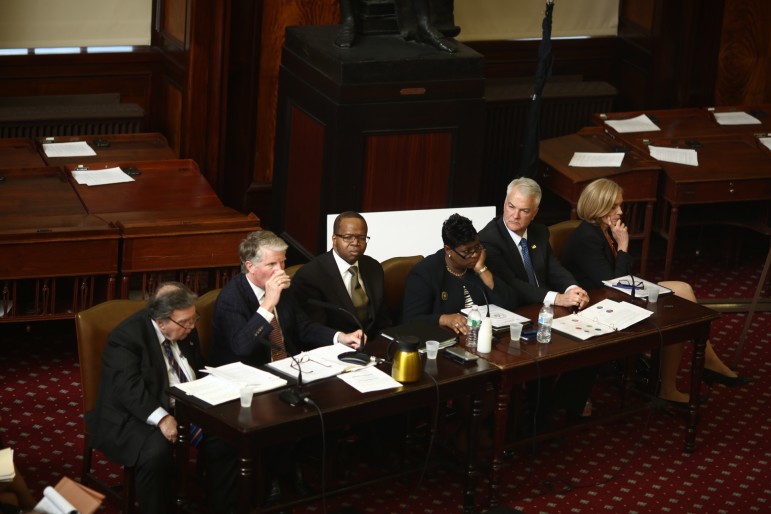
588,255
432,291
237,328
133,385
320,279
505,261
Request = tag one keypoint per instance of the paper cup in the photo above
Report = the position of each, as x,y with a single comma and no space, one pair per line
515,330
246,396
653,294
432,348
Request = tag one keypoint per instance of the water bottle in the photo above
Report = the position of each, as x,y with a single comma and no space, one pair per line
473,322
545,317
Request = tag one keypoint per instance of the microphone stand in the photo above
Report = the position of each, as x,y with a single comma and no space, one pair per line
295,395
355,356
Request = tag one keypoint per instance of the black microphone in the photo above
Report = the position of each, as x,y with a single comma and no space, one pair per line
354,356
294,395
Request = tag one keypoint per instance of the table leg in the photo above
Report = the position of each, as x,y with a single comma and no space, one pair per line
505,385
245,480
697,366
472,471
182,456
671,236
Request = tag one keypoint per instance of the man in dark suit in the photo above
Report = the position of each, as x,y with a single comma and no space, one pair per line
133,422
511,240
345,277
242,328
503,238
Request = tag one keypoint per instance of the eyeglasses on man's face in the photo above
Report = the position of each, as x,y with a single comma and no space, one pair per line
350,238
470,253
186,323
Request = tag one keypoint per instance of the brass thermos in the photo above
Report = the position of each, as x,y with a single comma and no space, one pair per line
407,366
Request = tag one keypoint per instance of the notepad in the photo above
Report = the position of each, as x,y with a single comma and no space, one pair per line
641,287
500,317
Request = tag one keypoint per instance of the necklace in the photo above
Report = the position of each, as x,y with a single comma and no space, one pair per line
453,273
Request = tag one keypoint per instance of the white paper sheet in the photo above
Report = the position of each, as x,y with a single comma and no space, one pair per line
73,149
766,141
316,364
369,379
638,292
641,123
685,156
500,317
101,177
54,503
224,383
735,118
601,318
597,160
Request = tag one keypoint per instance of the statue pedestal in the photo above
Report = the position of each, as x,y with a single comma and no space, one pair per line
384,125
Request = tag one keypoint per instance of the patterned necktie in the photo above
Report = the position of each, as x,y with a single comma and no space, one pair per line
359,297
278,350
528,262
196,434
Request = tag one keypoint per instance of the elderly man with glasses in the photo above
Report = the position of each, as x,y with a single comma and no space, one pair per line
133,422
345,277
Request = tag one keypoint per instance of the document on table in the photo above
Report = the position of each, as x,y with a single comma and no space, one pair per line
641,289
369,379
685,156
601,318
765,141
224,383
100,177
735,118
73,149
316,364
641,123
597,160
500,317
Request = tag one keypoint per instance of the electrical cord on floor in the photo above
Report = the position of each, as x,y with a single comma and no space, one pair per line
310,402
431,439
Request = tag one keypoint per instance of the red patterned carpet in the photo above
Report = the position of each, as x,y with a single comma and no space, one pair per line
634,466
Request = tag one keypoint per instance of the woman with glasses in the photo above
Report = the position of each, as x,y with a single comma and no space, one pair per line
453,278
599,250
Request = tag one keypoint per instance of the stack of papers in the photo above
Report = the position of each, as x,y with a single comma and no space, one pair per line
641,123
500,317
73,149
685,156
316,364
735,118
224,383
641,287
601,318
597,160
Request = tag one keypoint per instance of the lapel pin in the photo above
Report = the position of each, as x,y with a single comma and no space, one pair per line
533,247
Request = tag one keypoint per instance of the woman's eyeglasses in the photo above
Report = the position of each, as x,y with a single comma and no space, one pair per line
474,251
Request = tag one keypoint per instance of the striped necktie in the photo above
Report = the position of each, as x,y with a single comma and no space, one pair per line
196,434
276,338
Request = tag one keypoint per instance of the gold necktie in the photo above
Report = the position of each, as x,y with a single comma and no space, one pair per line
277,339
359,297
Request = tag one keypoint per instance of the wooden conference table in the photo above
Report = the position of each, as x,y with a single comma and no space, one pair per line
674,320
270,421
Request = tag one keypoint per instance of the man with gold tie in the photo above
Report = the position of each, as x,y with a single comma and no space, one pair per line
347,278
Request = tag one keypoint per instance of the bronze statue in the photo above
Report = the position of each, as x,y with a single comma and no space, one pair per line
429,22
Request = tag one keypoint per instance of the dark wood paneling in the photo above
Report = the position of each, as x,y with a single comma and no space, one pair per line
407,171
305,169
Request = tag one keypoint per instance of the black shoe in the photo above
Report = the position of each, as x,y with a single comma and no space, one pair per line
274,492
711,377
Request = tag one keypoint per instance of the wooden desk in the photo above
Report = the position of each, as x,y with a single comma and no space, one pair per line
149,146
170,220
674,320
19,153
269,421
45,236
638,175
733,166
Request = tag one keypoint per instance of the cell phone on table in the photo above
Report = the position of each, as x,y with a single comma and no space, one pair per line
460,355
529,334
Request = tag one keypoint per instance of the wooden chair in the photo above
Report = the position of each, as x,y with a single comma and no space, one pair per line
93,326
205,308
396,270
558,234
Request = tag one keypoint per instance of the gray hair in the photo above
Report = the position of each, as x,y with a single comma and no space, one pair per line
527,186
251,247
169,297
